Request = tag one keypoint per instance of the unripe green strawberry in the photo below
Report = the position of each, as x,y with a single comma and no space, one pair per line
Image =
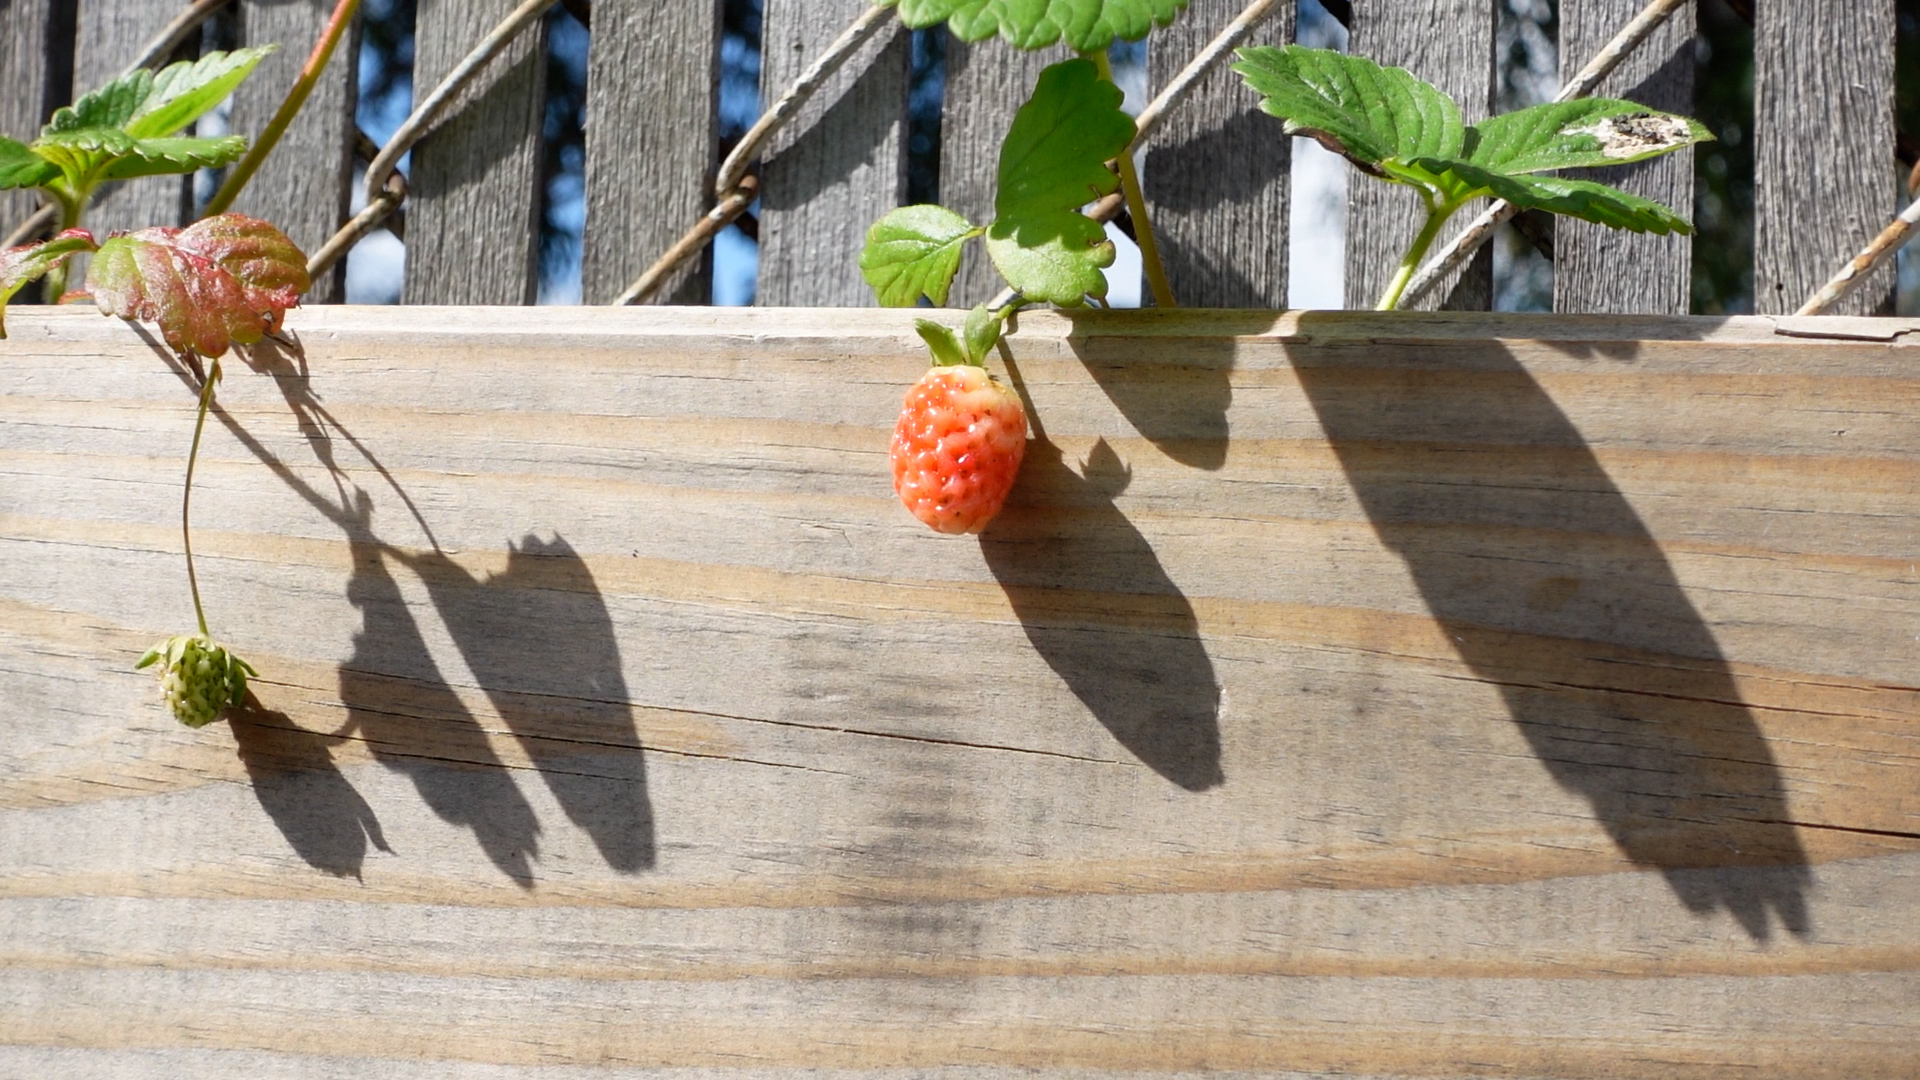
199,677
957,447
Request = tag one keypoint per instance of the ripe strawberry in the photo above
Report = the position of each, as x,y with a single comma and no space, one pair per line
961,434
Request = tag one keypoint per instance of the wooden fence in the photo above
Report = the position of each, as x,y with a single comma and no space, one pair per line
1217,174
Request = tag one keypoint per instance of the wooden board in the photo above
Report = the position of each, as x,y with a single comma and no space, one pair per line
473,222
987,82
1519,696
1218,173
1824,171
1597,269
839,165
653,90
1449,43
306,185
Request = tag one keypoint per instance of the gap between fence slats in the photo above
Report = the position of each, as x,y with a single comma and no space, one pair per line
653,77
25,45
1824,170
1449,43
475,199
305,185
1217,173
839,166
1597,269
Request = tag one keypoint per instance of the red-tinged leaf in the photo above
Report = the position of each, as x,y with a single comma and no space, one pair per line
20,265
226,279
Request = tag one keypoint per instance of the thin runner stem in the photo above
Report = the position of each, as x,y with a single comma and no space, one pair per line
1137,208
186,496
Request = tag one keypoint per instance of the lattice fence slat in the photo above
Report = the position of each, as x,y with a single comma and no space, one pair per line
1823,180
473,214
653,93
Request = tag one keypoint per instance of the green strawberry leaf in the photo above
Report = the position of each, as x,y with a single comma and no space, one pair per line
181,93
1064,268
1585,133
913,252
20,265
1056,151
224,279
20,167
1582,199
1086,25
150,157
941,342
109,106
982,332
1367,113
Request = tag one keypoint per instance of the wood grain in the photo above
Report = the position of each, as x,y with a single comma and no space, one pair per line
305,186
1596,269
839,165
1824,178
1526,696
1449,43
473,223
28,29
1218,173
987,82
653,91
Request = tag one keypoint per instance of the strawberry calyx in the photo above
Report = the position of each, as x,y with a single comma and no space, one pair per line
971,346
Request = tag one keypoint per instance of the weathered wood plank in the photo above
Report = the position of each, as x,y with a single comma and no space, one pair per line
653,91
473,222
987,82
1449,43
1597,269
839,165
1523,695
306,186
28,29
110,35
1217,175
1823,183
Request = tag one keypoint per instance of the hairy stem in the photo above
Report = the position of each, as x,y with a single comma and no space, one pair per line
236,181
186,496
1437,215
1137,208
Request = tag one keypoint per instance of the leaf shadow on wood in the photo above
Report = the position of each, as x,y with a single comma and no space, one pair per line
539,639
560,691
295,779
1179,404
1553,590
1101,611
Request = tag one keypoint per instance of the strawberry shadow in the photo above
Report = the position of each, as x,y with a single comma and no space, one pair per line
1555,593
297,783
1101,611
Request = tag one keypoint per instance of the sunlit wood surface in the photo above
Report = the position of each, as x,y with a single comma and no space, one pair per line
1443,695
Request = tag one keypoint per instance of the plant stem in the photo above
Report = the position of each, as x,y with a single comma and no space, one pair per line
186,496
1437,216
1137,208
336,28
54,285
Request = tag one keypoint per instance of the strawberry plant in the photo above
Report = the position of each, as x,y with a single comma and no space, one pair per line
226,279
1053,161
1397,128
961,434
